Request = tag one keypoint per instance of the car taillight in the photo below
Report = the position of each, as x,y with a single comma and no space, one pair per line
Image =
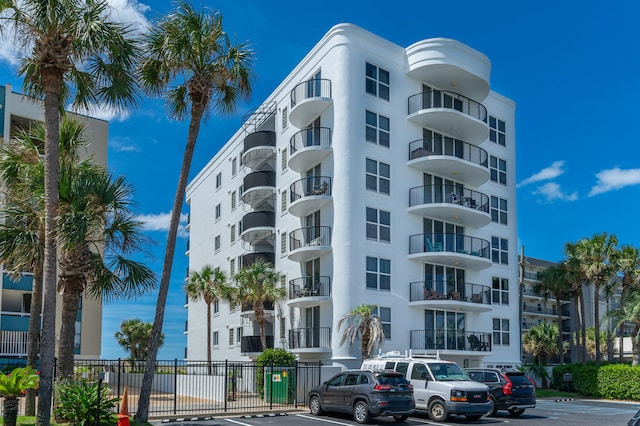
508,388
410,386
531,380
380,387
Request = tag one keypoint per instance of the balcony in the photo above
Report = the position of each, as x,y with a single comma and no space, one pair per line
248,311
253,344
309,147
260,150
258,227
451,114
309,291
13,343
249,258
23,283
450,203
445,63
15,321
451,341
309,194
456,250
543,310
309,99
259,190
451,158
307,243
465,297
310,340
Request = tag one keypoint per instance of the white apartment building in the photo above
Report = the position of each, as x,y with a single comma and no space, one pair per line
377,174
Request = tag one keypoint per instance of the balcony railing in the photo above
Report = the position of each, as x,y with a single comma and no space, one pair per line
453,340
447,100
249,258
310,286
443,145
314,88
267,306
445,290
254,344
453,243
546,310
310,236
311,137
312,185
452,194
260,139
310,337
13,343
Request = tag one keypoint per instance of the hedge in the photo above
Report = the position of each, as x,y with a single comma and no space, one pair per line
610,381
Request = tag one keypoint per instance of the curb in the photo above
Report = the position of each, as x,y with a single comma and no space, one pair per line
564,400
260,416
204,419
190,419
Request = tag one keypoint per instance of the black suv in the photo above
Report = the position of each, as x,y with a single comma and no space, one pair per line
364,394
510,390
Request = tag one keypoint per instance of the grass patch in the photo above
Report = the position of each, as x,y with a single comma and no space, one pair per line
553,393
31,421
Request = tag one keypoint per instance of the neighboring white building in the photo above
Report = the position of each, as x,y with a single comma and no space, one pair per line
373,174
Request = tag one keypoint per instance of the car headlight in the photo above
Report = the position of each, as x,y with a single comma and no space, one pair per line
458,395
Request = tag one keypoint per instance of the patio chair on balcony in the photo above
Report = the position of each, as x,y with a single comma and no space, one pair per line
429,246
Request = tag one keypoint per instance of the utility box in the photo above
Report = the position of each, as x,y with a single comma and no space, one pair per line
279,385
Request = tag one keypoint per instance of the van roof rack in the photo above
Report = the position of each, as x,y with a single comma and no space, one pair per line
413,353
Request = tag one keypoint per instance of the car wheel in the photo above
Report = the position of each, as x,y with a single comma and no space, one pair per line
516,411
315,407
438,411
494,410
401,419
473,416
361,412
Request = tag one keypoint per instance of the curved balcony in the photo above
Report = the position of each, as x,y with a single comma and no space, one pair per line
310,340
448,63
451,341
309,99
258,227
260,190
309,242
249,258
309,291
465,297
260,150
451,158
247,310
450,113
309,194
456,250
309,147
450,203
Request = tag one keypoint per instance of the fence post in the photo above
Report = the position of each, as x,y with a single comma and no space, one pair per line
175,385
226,383
271,385
118,379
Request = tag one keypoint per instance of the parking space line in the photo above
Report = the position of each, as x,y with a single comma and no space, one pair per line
238,423
321,419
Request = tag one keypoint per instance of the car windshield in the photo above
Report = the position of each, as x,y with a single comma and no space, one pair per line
447,372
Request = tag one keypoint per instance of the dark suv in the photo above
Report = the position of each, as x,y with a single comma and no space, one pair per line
510,390
364,394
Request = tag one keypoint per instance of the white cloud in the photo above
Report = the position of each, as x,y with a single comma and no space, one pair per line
548,173
161,221
124,144
614,179
552,191
102,112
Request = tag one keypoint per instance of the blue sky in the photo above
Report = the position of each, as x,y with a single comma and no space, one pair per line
572,68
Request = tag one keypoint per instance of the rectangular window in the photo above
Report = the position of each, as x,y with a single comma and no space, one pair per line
378,274
218,211
283,243
501,331
500,290
377,81
239,331
500,250
378,176
233,200
285,119
234,166
497,131
216,243
218,180
283,328
378,225
231,337
284,160
498,169
232,267
215,337
215,306
240,191
233,234
378,129
385,318
283,201
499,210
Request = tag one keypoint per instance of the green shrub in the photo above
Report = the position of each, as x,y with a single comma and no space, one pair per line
277,357
610,381
77,403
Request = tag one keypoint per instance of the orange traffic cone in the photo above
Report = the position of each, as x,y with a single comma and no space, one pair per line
123,416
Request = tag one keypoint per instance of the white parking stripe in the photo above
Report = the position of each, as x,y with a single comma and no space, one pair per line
322,419
238,423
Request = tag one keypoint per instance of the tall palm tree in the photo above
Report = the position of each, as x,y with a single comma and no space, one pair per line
542,341
362,324
553,284
76,54
206,284
254,285
627,262
573,274
192,52
630,312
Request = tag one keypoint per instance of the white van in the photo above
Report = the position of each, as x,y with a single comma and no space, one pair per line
439,387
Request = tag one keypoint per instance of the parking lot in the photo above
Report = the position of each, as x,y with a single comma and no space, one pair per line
547,411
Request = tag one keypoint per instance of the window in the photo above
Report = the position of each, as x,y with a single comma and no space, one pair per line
234,166
215,338
378,176
285,118
233,234
215,306
497,131
501,331
218,211
233,200
283,201
377,81
498,169
500,250
231,337
378,225
239,331
378,273
283,328
500,290
216,243
218,180
284,160
232,267
498,210
283,243
385,319
240,159
240,191
377,129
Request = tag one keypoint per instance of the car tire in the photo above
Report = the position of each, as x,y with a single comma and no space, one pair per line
438,411
314,406
401,419
361,412
494,410
473,416
515,412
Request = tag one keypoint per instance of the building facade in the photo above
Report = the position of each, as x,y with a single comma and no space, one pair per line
19,111
374,174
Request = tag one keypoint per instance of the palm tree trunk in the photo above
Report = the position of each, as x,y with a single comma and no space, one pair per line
258,309
70,302
623,294
142,412
596,318
583,326
33,337
10,407
609,333
209,370
635,348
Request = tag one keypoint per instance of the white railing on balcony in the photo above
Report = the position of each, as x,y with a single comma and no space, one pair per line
13,343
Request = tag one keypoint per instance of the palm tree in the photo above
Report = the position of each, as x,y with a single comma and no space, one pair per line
76,54
542,341
134,336
627,262
254,285
573,274
630,312
11,387
192,52
362,324
206,284
553,284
